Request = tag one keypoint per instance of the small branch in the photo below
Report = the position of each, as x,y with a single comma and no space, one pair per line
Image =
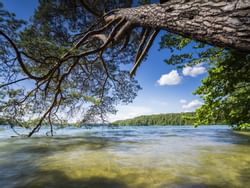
88,34
101,37
14,82
144,36
125,43
51,126
88,8
109,39
126,28
20,60
144,52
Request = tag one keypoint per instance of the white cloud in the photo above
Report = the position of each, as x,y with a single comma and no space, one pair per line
193,71
183,101
172,78
192,105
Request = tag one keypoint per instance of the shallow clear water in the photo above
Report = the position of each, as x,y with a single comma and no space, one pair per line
126,157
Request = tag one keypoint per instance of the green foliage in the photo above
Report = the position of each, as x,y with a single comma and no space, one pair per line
187,118
3,121
226,91
10,25
244,126
92,100
85,87
173,41
181,54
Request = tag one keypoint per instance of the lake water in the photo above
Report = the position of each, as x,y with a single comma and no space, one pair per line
124,157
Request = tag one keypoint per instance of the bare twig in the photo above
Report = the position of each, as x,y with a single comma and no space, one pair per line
144,52
13,82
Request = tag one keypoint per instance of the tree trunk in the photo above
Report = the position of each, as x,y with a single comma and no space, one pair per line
220,23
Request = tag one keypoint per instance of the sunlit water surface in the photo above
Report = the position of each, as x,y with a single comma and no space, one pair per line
123,157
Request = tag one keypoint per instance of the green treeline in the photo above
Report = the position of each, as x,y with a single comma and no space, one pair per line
187,118
3,121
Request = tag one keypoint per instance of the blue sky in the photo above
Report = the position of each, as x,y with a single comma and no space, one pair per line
165,89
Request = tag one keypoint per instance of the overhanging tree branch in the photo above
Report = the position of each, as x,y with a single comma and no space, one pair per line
220,23
224,24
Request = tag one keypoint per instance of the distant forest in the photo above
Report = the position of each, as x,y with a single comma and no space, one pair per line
3,121
187,118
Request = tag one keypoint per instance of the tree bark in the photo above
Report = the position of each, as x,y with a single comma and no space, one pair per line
220,23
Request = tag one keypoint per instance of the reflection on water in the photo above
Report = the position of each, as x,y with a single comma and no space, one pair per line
127,157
